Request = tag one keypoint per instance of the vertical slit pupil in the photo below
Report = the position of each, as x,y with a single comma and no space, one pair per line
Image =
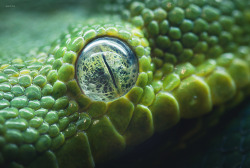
111,73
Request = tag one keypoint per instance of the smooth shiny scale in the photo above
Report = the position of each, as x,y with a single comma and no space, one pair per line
106,69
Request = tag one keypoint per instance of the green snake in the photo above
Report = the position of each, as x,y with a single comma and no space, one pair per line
112,80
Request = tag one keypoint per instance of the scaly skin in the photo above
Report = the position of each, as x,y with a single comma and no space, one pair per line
193,64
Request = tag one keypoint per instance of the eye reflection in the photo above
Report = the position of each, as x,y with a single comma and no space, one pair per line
106,69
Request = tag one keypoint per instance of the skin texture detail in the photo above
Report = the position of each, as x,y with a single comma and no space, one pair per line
193,61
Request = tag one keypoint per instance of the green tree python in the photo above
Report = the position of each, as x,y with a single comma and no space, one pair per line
109,83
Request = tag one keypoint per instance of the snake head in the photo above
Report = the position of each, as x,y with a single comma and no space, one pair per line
103,88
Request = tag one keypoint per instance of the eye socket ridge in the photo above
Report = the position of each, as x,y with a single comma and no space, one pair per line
110,42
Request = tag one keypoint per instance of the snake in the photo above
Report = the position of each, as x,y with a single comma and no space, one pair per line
113,80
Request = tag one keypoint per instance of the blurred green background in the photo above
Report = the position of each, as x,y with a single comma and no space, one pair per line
26,25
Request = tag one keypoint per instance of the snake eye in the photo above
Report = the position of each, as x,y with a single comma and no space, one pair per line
106,69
